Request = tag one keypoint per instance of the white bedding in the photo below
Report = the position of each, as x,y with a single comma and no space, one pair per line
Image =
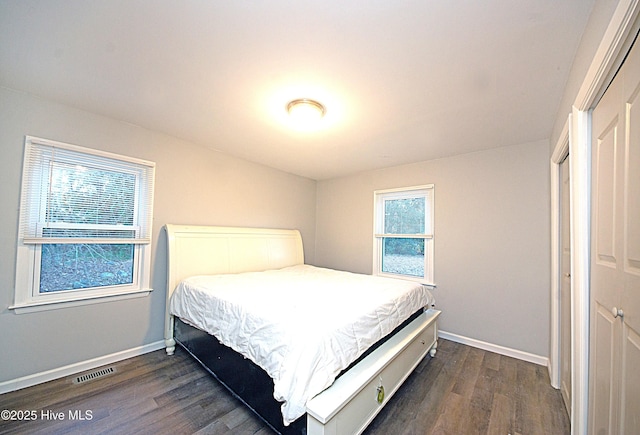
302,324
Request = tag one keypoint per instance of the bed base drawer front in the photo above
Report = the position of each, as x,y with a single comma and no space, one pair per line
351,403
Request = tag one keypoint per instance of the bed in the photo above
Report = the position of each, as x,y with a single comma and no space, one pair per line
328,369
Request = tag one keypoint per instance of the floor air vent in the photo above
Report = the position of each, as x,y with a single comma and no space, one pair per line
94,375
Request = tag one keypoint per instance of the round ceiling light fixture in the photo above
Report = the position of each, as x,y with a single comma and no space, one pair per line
305,110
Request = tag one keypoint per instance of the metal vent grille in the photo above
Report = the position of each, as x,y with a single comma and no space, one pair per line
94,375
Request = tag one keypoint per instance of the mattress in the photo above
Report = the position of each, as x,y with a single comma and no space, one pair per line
302,324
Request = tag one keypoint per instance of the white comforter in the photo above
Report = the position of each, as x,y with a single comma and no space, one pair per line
301,324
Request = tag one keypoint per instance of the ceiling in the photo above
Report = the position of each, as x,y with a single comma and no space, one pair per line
402,81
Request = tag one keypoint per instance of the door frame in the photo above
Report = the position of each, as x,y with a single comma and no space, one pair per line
614,46
560,153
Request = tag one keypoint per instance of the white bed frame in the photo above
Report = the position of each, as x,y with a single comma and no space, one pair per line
355,398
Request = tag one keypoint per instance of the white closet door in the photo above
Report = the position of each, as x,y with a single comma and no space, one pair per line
629,238
614,392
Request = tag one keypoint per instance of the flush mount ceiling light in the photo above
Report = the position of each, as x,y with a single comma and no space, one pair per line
305,110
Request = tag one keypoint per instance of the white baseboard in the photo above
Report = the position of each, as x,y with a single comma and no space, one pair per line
514,353
551,377
61,372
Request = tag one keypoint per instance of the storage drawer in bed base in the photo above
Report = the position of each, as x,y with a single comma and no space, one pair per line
351,403
346,407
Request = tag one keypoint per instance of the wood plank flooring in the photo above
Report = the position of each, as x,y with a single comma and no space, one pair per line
462,390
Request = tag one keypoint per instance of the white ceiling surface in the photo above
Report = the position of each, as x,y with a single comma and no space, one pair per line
402,81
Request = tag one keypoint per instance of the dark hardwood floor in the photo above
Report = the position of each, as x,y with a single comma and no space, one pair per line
462,390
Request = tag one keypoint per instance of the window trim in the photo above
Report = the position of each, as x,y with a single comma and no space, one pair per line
379,196
27,297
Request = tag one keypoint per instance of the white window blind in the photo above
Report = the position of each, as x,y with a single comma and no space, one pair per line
75,195
85,227
406,213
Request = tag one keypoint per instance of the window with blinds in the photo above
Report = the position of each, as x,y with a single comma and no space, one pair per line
85,223
403,238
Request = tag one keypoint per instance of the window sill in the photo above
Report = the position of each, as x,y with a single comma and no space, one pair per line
419,279
32,307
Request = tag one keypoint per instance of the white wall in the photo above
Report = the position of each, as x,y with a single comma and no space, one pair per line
599,19
492,251
193,186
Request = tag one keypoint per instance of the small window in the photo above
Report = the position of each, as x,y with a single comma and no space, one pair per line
403,238
85,224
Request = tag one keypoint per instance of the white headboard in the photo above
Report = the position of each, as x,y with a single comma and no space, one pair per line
207,250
